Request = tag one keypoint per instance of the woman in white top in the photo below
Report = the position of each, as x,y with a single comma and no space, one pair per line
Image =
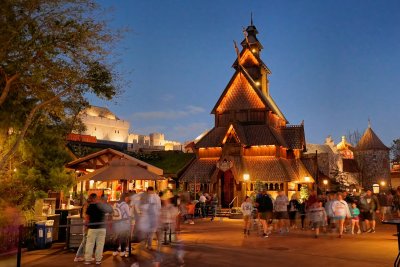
247,209
340,211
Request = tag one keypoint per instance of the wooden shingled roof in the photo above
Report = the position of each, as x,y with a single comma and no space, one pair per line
102,158
200,170
253,135
294,136
370,141
263,168
240,98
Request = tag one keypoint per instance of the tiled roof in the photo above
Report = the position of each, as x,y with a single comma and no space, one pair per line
294,136
370,141
298,169
240,96
213,138
244,95
246,50
263,135
264,168
350,165
249,135
239,130
105,156
201,169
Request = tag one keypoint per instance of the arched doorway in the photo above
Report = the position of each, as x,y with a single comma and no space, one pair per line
227,187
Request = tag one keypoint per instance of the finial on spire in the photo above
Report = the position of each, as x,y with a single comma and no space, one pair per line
369,123
251,18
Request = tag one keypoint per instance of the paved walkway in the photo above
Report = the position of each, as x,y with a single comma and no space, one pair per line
221,243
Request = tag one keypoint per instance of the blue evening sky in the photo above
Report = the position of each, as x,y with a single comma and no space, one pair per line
334,63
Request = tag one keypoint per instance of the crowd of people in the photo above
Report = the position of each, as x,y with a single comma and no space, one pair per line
339,212
148,216
144,216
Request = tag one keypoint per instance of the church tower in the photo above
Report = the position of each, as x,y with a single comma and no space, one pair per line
251,142
372,157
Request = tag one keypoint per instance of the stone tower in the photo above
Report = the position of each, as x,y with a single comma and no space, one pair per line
372,157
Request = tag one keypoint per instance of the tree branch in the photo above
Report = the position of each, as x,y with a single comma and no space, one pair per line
7,87
28,122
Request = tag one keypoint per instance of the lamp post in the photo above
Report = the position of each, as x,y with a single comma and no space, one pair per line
375,188
325,182
246,178
383,184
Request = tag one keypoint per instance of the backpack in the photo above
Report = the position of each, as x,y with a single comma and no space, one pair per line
117,213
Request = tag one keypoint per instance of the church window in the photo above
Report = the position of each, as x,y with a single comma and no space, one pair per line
281,186
271,187
276,187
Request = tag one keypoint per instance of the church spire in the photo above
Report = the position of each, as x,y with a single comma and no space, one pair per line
251,40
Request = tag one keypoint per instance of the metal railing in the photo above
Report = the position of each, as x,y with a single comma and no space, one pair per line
230,204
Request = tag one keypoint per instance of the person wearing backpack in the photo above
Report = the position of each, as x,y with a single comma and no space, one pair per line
265,208
121,226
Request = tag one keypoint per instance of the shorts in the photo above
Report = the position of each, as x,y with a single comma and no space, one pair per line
246,217
266,215
279,215
336,218
366,215
318,224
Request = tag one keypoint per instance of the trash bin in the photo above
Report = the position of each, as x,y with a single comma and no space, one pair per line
40,242
44,234
49,233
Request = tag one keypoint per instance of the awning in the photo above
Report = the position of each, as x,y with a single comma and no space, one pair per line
121,169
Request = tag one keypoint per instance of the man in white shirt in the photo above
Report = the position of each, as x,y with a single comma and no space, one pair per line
281,204
202,202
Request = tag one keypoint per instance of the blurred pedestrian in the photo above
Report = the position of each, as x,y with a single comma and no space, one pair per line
318,216
280,206
265,208
149,218
202,205
293,208
340,211
96,233
355,218
247,209
214,205
122,226
80,253
369,207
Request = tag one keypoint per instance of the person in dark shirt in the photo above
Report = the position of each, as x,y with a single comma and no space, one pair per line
265,207
96,233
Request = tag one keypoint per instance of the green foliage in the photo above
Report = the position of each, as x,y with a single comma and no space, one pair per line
304,193
38,168
259,186
53,54
170,161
